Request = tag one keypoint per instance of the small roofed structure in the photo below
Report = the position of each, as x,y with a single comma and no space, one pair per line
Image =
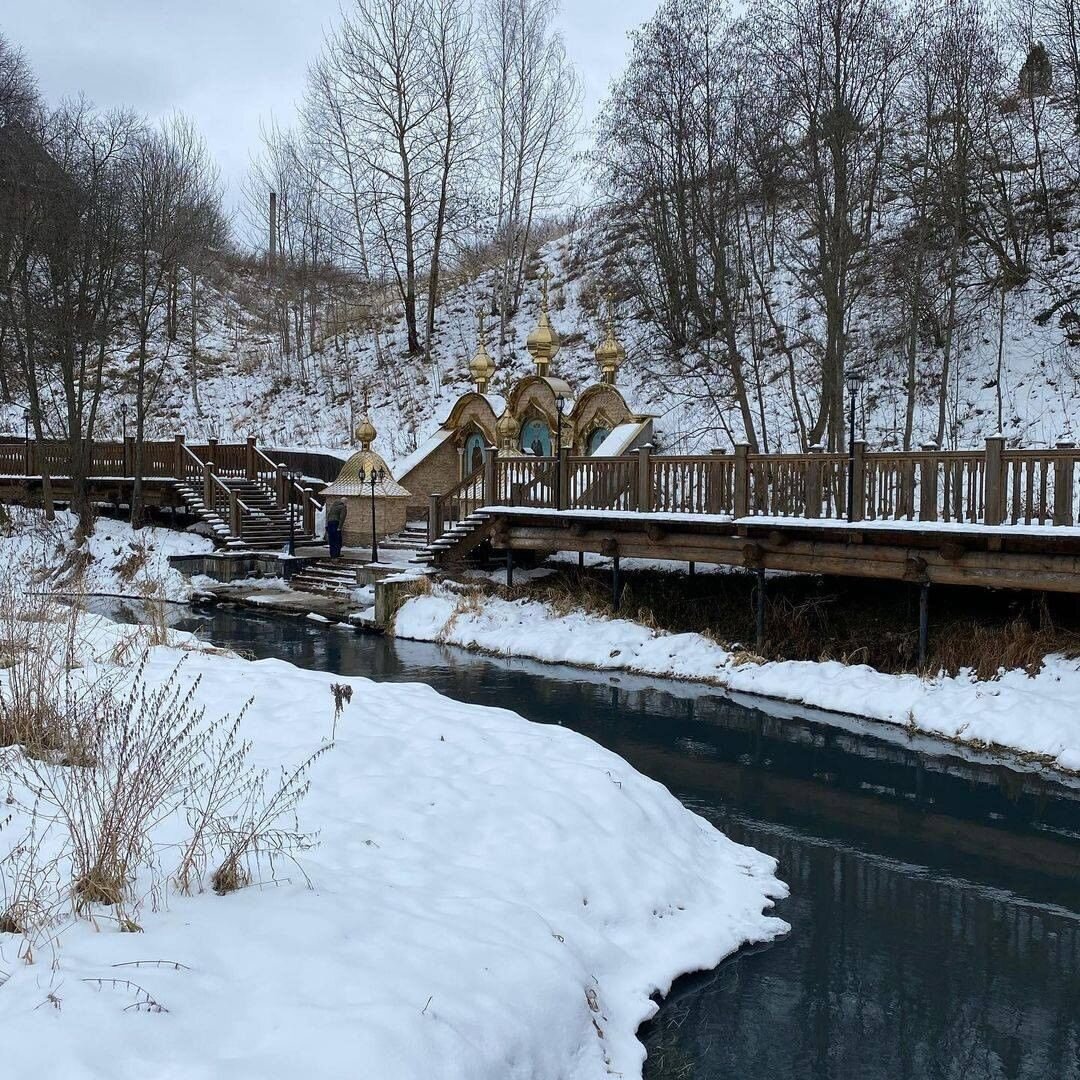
354,486
539,407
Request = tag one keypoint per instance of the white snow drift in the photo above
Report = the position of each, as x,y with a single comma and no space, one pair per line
491,900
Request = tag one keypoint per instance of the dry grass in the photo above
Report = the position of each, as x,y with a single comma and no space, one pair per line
808,618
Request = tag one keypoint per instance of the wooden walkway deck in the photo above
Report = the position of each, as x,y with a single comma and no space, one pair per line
996,517
245,496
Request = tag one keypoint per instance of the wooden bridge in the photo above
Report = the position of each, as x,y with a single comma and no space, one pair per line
997,517
247,497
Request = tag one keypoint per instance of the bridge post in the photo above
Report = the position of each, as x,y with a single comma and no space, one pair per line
250,467
178,456
994,508
434,517
759,608
928,482
644,478
742,479
211,448
235,526
924,623
813,482
563,488
129,456
1064,466
491,493
857,510
208,484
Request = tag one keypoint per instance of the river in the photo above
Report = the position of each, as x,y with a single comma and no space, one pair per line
935,893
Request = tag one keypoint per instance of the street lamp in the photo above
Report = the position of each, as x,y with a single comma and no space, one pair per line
854,381
375,476
123,418
560,405
26,441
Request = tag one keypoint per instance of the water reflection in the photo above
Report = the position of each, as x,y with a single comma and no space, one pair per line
934,897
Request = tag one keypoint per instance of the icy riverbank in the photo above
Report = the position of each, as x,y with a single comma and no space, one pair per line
1033,715
490,898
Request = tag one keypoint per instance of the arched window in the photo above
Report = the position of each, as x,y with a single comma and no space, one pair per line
474,452
596,439
536,438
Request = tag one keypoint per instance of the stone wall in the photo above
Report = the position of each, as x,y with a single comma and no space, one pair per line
438,472
390,517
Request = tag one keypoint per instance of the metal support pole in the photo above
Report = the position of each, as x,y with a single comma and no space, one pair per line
509,568
759,610
374,537
691,569
581,560
924,623
851,460
616,584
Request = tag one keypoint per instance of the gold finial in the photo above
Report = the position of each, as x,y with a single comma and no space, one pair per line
543,343
481,367
609,353
365,433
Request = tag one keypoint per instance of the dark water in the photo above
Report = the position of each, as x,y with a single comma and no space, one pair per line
935,904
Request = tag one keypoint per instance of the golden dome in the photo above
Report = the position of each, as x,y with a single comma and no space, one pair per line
506,434
543,343
365,434
482,367
609,353
507,427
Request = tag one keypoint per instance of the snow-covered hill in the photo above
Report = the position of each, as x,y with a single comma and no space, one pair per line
245,386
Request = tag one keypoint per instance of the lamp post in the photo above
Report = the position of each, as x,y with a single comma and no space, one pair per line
374,476
26,441
854,382
123,419
560,405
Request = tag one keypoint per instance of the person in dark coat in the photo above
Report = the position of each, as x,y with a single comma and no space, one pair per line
336,513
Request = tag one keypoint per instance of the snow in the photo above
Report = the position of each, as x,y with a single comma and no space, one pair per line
490,900
621,438
1029,714
118,560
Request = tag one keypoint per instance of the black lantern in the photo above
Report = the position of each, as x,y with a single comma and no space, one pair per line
854,380
123,419
26,441
375,476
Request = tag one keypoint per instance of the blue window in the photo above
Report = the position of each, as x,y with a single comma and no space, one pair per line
596,439
536,438
474,452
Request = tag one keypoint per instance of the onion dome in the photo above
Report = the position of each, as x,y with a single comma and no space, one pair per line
506,433
365,434
609,353
543,343
481,367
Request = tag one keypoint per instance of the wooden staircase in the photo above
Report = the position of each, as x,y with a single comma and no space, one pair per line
248,502
457,541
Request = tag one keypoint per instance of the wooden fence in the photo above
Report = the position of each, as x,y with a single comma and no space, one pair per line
992,486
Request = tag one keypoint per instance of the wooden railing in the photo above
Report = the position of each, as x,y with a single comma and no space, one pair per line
993,486
445,510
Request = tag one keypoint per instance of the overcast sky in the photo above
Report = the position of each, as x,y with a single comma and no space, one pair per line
228,63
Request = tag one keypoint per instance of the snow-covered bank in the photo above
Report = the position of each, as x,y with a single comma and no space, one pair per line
491,900
115,559
1033,715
